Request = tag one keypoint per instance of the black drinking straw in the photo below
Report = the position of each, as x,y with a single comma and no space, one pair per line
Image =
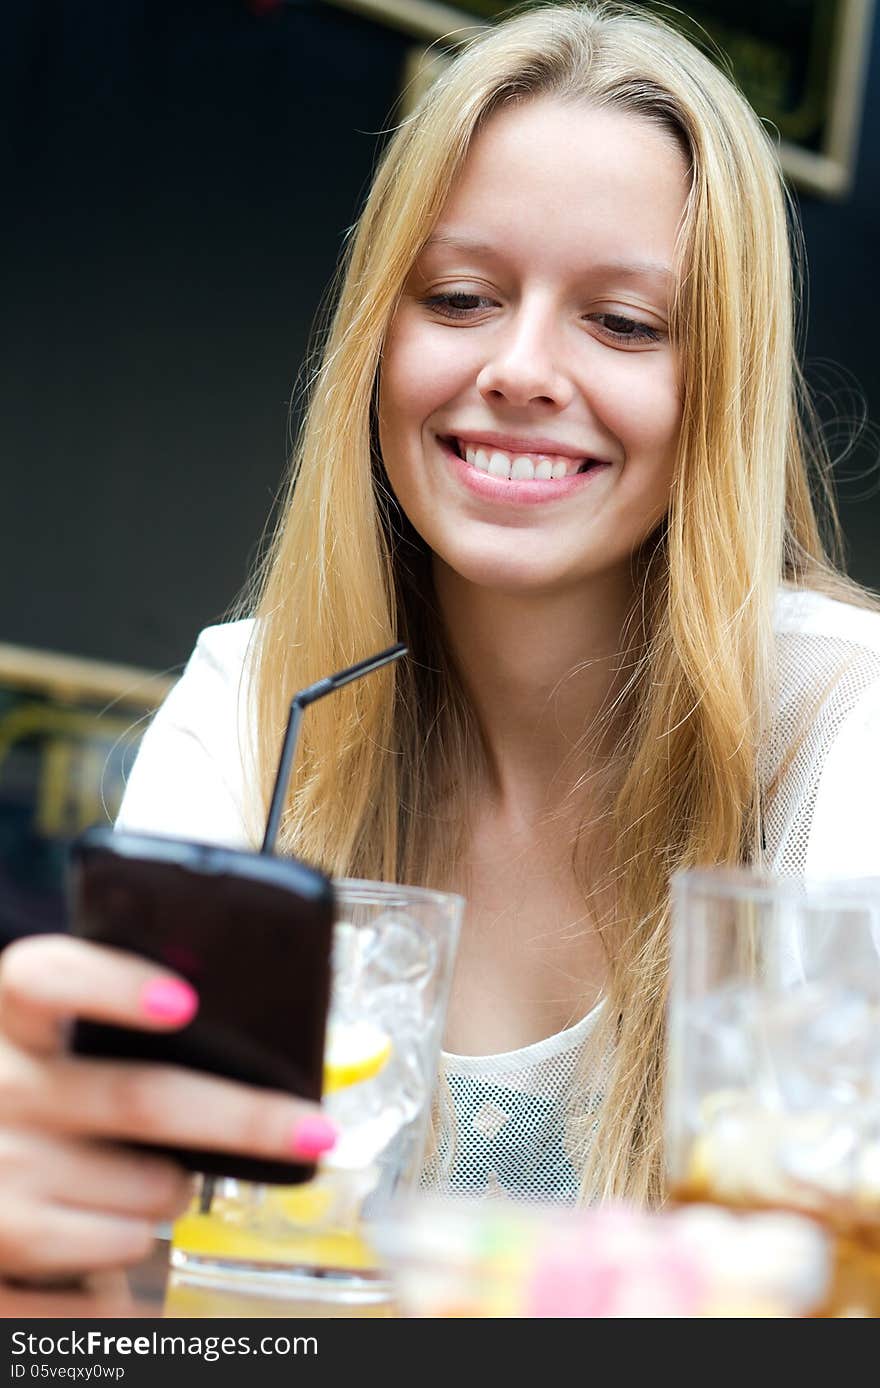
298,703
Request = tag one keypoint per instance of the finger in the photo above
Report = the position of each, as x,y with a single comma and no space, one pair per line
91,1175
103,1294
160,1104
46,980
40,1240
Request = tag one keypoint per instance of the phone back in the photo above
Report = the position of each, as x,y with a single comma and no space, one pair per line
251,932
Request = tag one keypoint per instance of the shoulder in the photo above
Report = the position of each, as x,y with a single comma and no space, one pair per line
194,765
212,682
843,836
828,653
807,613
224,649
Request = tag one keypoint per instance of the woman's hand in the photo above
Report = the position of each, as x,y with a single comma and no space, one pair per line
99,1296
72,1199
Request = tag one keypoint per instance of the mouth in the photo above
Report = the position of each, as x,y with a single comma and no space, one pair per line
516,466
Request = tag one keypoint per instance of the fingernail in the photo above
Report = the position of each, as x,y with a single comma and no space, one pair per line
313,1135
170,1000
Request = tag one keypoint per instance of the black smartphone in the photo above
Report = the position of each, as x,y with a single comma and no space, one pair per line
250,931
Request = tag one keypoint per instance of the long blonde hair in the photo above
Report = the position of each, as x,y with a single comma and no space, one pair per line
381,788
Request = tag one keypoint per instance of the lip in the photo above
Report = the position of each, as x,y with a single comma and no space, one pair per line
500,489
507,443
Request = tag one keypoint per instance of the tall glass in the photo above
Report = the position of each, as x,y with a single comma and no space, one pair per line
773,1080
393,953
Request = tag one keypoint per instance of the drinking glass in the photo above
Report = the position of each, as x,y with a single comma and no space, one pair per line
773,1077
393,952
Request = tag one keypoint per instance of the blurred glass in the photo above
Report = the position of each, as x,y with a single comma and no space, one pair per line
773,1081
495,1259
393,953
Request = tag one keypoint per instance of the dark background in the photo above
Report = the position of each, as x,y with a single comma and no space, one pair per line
177,181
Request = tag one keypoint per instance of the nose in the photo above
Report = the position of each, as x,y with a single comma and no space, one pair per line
522,366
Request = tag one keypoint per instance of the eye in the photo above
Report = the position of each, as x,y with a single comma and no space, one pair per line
628,330
457,304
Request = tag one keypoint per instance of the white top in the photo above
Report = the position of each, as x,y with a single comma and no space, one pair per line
502,1116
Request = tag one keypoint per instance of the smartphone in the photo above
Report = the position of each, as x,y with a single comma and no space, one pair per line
250,931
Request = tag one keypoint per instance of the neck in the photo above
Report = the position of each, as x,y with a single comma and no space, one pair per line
539,670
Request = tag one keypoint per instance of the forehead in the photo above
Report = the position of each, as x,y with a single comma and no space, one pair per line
561,181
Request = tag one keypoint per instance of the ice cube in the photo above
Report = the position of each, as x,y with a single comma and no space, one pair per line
719,1051
398,1008
345,947
356,1102
736,1156
353,948
821,1047
345,967
408,1084
404,952
819,1153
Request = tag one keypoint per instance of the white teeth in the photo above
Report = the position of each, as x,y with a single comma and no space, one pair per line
477,457
499,465
521,468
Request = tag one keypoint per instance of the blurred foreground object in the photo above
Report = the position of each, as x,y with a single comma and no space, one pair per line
452,1259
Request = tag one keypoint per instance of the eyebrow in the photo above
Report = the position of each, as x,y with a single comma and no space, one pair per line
622,269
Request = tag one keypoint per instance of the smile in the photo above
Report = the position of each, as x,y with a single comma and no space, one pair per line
520,465
518,477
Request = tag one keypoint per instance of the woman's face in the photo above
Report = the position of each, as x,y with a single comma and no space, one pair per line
532,339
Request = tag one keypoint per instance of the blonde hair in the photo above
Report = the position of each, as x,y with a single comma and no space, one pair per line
381,788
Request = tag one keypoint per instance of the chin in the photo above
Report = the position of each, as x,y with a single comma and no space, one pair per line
514,575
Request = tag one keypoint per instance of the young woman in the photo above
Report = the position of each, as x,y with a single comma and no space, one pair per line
557,444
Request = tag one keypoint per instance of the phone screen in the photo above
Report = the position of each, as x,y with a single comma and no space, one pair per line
251,932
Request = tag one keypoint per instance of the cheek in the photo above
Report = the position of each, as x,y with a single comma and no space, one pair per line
406,395
392,384
645,412
423,369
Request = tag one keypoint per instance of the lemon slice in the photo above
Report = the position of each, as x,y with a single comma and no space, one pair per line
354,1051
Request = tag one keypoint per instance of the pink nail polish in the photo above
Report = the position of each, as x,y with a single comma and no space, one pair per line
170,1000
313,1135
